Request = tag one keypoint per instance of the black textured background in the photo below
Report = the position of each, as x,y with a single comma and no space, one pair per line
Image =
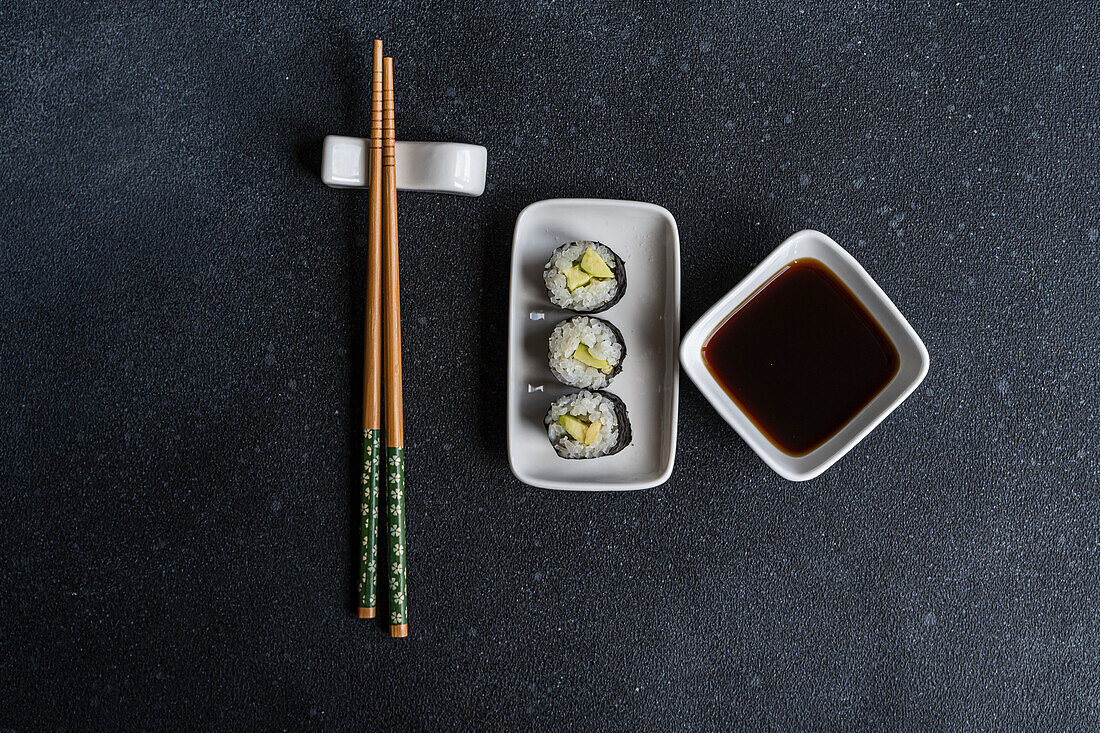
180,337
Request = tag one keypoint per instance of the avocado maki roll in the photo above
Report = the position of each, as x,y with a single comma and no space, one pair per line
586,277
588,425
586,351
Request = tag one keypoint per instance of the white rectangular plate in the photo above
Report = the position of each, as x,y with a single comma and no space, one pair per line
645,237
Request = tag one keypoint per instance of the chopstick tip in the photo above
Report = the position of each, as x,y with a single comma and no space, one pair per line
366,612
399,631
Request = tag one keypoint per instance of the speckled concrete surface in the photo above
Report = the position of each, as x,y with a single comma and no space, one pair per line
181,325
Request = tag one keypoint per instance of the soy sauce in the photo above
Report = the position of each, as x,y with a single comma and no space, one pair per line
801,356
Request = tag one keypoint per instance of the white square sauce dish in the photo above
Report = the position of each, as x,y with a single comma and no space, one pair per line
805,356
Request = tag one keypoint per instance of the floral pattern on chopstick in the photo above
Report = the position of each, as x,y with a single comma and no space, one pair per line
369,485
395,500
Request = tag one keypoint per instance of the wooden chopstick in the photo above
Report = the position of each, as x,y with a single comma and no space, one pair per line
395,440
372,356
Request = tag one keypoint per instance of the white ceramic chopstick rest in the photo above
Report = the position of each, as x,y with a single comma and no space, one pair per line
457,168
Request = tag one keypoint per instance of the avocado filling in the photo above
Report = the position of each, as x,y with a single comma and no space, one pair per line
589,266
583,355
580,430
595,265
575,277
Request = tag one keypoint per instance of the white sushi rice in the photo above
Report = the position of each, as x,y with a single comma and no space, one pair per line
601,342
587,297
588,407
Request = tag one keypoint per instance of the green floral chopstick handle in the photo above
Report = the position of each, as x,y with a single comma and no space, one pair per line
368,555
395,516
